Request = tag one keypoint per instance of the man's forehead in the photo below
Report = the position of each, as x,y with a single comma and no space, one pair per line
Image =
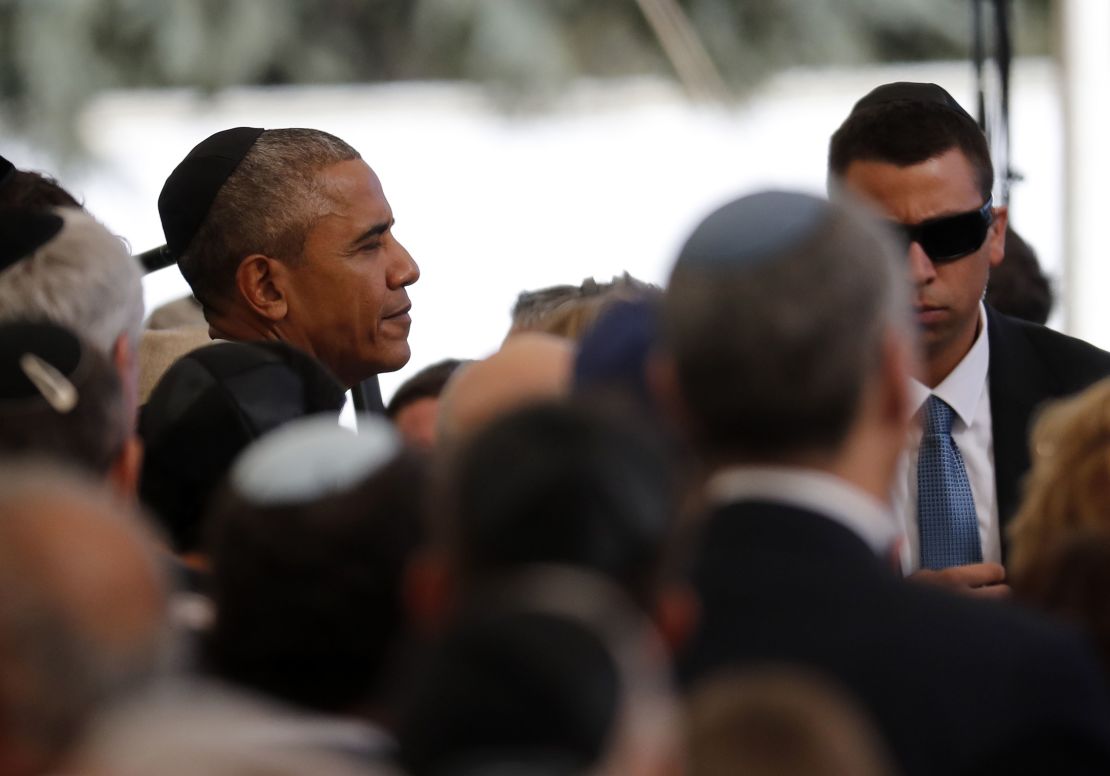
937,186
354,191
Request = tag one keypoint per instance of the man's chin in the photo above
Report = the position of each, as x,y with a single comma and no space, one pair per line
390,362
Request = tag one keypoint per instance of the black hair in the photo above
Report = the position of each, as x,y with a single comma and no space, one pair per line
518,692
1018,286
308,595
561,484
34,190
906,133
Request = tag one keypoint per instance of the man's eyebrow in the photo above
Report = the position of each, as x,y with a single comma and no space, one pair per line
375,231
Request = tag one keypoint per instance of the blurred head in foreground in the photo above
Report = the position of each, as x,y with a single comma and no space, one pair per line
61,265
787,338
60,398
204,728
529,368
308,548
551,674
555,484
82,607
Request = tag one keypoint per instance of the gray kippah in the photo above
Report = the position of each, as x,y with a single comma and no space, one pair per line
754,229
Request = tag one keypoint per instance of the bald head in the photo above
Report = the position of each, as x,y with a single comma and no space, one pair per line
529,368
81,610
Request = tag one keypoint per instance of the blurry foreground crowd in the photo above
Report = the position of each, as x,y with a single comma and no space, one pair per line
814,508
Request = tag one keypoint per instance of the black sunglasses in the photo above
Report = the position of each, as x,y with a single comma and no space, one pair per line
949,238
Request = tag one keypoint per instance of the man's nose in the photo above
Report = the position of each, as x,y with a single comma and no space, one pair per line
404,271
922,269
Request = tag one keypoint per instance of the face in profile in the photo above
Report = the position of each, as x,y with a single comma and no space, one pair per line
946,288
347,295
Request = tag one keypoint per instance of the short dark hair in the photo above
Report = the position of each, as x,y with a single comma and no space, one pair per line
308,595
267,205
1018,286
560,484
906,133
531,688
426,384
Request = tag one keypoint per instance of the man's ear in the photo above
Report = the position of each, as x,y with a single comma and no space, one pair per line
261,282
997,236
124,472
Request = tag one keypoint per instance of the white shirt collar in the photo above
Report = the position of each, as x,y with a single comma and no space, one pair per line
964,386
812,490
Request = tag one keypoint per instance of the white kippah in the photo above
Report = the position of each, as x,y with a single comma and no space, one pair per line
312,457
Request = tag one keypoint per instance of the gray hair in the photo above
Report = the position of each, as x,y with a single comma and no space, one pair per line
774,333
266,206
84,279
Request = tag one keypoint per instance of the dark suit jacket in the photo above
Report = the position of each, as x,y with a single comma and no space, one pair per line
1029,365
953,683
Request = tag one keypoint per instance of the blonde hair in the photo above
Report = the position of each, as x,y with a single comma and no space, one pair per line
1068,486
778,720
569,311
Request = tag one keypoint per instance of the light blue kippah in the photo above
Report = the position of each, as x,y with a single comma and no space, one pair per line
754,229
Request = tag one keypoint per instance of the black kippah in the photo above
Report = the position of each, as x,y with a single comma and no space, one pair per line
910,91
39,360
7,171
193,185
210,405
22,232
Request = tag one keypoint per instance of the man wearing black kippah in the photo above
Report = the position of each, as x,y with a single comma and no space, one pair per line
286,234
914,153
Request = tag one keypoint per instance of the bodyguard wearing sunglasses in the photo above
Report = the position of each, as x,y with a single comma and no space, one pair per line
914,153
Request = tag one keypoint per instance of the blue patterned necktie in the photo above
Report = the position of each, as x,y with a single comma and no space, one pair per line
946,516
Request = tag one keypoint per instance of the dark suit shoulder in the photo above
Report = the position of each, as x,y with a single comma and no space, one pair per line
782,585
1072,363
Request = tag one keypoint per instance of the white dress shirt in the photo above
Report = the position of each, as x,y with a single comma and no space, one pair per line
813,490
967,391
